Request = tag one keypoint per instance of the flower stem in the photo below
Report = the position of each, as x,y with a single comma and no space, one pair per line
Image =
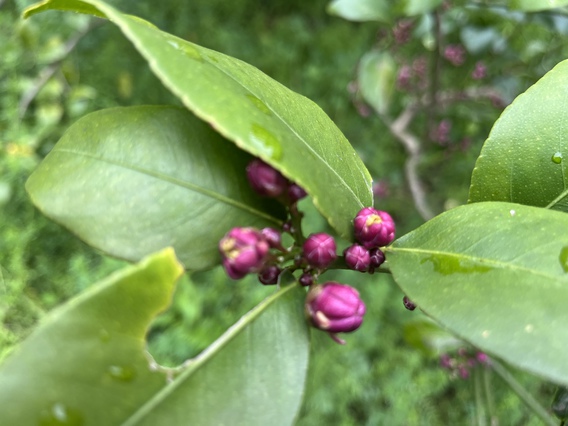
522,393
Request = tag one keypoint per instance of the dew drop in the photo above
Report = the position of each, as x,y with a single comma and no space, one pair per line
265,142
259,104
557,158
60,415
564,258
122,373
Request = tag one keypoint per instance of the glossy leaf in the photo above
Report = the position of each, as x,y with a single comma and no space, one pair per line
131,181
496,274
260,115
525,158
85,365
256,379
361,10
377,75
535,5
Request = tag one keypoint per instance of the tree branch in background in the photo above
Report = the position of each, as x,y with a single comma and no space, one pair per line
49,71
413,148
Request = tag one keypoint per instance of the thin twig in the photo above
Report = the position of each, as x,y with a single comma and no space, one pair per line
522,393
413,148
49,71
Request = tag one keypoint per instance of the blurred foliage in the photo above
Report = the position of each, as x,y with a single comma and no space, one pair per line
379,377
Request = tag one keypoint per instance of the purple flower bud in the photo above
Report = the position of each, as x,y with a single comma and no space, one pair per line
357,257
446,361
482,358
269,274
319,250
244,250
408,304
296,192
273,237
377,258
480,71
334,307
373,228
455,53
306,279
463,371
266,180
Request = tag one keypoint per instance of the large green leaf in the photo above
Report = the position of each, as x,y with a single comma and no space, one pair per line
525,158
86,365
534,5
260,115
361,10
131,181
496,274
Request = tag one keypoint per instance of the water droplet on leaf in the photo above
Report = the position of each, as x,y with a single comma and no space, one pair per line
60,415
564,258
186,48
265,142
122,373
557,158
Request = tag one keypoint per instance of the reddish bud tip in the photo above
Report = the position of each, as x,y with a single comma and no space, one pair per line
243,250
269,275
408,304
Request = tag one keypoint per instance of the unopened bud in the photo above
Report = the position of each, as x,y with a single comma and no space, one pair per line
377,258
244,250
357,257
296,192
306,279
265,179
269,275
334,307
273,237
319,250
408,304
373,228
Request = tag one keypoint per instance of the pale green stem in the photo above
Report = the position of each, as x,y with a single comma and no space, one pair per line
522,393
480,413
486,376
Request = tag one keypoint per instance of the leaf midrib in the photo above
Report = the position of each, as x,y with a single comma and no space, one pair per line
480,260
174,181
221,129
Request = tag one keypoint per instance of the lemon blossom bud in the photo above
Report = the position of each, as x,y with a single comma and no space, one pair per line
319,250
244,250
335,307
373,228
357,257
265,179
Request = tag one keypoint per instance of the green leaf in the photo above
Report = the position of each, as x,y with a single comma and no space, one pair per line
86,365
535,5
261,116
361,10
495,274
377,75
525,158
419,7
258,378
131,181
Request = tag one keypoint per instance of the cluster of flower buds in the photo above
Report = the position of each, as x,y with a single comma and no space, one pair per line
269,182
373,229
331,307
461,364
